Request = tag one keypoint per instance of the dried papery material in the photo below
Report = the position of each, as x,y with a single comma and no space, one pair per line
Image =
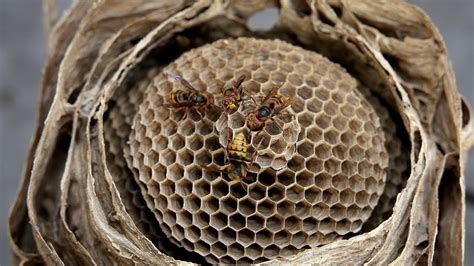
364,166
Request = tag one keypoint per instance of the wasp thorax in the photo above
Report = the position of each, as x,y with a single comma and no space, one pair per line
321,162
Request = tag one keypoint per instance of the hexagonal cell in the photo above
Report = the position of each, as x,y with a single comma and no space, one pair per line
186,128
237,221
310,225
183,187
167,157
175,172
195,142
296,163
293,224
299,239
348,138
340,182
227,236
257,192
349,167
192,203
169,217
169,127
177,142
253,251
330,196
327,225
192,233
246,236
212,143
151,158
365,168
274,223
295,193
184,218
323,180
347,110
264,237
204,128
302,209
305,119
203,158
332,166
159,172
267,177
220,188
210,204
278,146
314,134
202,247
323,121
314,165
201,219
322,94
285,208
282,238
343,227
286,177
159,143
355,125
167,187
247,206
237,190
185,157
219,220
314,105
161,203
166,229
176,202
178,232
266,208
219,249
193,172
306,149
338,211
218,157
228,205
271,251
276,192
202,188
305,178
346,197
362,198
210,235
323,151
313,195
227,260
255,222
357,183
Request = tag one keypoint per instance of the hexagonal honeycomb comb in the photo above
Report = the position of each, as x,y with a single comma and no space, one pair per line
306,190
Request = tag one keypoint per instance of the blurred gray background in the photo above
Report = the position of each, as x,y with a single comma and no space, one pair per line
23,51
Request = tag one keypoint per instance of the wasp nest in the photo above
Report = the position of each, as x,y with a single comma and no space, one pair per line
363,166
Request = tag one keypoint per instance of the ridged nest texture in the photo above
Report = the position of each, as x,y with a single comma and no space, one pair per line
326,189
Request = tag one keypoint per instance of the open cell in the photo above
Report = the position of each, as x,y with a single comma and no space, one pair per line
247,206
264,237
237,221
255,222
274,223
246,236
219,220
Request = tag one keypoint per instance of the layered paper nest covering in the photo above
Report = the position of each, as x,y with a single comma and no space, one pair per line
364,166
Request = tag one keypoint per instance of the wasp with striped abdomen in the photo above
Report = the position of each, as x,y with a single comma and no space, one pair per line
271,105
239,158
190,97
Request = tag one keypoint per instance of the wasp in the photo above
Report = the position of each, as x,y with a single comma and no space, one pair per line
188,97
233,96
239,158
271,105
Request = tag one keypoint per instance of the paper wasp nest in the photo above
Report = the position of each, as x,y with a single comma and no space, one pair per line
364,166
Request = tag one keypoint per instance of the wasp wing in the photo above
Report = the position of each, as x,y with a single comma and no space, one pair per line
179,78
